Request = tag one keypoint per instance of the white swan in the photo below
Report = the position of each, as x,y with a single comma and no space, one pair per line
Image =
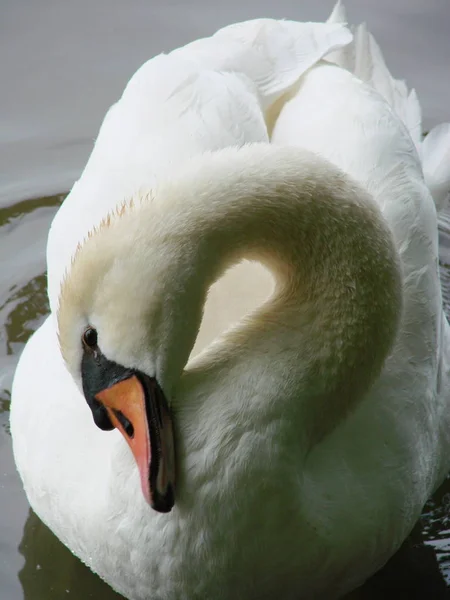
308,437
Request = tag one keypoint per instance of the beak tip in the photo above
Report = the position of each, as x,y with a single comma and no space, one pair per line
163,503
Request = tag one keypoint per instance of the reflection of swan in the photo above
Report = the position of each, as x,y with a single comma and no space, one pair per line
51,572
310,435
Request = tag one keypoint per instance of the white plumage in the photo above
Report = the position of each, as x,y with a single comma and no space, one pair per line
310,435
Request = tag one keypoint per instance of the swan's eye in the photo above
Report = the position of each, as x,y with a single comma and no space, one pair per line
90,337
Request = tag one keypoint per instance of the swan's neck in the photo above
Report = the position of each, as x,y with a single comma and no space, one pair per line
315,347
317,344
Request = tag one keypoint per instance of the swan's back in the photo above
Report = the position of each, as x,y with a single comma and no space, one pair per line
329,105
363,58
369,126
349,121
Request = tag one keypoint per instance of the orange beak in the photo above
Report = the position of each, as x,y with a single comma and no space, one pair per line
137,407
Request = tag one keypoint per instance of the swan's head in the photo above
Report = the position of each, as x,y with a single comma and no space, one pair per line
125,337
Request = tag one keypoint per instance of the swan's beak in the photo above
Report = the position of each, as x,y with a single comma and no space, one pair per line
135,404
138,408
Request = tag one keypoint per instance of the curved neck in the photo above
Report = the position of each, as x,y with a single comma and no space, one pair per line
317,344
322,338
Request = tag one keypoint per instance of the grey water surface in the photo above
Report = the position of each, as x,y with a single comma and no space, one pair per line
61,65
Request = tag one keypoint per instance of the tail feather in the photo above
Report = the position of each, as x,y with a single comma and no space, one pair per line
345,56
338,14
413,117
436,163
363,58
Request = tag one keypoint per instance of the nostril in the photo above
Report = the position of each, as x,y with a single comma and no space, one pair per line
100,415
126,424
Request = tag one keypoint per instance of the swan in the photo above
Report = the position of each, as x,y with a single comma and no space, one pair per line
287,448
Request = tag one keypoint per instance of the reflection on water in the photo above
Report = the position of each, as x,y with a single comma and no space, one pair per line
23,297
29,305
51,571
411,574
34,565
436,527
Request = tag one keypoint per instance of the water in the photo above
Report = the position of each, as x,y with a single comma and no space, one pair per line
61,66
